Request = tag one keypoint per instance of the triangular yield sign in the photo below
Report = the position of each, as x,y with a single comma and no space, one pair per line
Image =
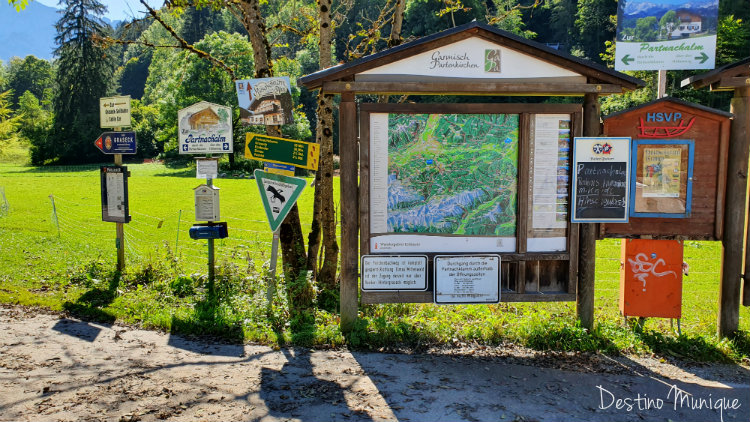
278,194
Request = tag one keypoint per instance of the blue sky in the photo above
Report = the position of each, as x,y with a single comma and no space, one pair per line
118,9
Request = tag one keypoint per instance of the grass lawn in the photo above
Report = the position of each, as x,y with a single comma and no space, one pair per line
164,286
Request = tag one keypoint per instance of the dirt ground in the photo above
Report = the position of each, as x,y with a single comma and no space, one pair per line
53,367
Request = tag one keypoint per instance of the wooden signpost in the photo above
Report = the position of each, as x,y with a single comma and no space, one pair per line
114,112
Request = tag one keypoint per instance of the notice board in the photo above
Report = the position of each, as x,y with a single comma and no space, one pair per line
601,180
467,181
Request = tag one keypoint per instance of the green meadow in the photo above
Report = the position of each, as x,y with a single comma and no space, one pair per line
65,261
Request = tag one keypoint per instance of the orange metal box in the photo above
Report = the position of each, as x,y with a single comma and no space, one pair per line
651,278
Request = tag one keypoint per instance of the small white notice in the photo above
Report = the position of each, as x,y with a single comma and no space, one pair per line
463,279
388,273
115,195
207,203
206,168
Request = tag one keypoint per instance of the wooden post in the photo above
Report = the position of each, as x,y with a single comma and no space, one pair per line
120,227
349,205
587,236
734,215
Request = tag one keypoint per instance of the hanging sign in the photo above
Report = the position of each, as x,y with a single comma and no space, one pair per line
265,101
467,279
205,128
207,203
601,180
114,188
666,35
206,168
282,151
278,194
114,111
116,143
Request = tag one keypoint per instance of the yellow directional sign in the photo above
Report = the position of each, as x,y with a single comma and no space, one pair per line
282,151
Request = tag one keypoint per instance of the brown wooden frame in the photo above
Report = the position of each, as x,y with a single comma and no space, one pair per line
520,259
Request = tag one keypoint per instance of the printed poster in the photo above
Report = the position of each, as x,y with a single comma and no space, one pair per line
265,101
666,34
661,172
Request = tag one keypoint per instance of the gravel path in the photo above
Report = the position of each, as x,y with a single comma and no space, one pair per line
54,367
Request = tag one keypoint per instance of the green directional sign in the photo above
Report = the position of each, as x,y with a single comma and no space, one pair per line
703,57
627,59
282,151
278,193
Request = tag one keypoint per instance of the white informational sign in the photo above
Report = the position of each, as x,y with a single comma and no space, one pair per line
115,195
385,273
114,111
472,58
206,168
205,128
207,203
462,279
666,34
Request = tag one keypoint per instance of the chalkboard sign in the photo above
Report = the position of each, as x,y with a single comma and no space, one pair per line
601,180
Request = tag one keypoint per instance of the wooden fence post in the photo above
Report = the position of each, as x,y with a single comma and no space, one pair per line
587,236
349,205
734,215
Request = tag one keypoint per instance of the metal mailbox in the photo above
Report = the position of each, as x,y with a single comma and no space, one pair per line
209,231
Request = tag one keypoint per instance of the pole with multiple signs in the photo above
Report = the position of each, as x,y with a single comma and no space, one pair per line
206,128
114,112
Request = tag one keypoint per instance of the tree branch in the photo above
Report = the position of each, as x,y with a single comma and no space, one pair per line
187,46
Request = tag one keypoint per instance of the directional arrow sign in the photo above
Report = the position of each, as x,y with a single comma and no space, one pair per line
116,143
278,194
282,151
627,59
703,57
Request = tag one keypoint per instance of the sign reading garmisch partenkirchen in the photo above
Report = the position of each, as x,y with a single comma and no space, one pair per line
666,34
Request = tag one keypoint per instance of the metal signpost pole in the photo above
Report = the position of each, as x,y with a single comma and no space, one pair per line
271,290
210,183
120,227
661,88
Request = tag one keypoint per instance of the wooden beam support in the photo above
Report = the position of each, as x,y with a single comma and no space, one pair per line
349,205
471,88
587,237
734,215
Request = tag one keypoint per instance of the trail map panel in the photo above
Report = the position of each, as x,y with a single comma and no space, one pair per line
453,176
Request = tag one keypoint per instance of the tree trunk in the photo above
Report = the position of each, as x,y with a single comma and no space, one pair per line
324,223
290,232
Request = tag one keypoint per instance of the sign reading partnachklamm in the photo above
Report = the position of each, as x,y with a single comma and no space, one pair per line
666,34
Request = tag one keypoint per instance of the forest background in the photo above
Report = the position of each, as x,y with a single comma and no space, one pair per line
190,51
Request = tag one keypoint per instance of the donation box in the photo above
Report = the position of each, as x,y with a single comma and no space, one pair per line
651,278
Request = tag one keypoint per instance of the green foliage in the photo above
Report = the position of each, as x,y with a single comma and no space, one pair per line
29,74
87,76
425,17
595,26
36,124
733,40
8,125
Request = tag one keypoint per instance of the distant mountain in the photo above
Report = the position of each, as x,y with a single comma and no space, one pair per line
30,31
640,9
